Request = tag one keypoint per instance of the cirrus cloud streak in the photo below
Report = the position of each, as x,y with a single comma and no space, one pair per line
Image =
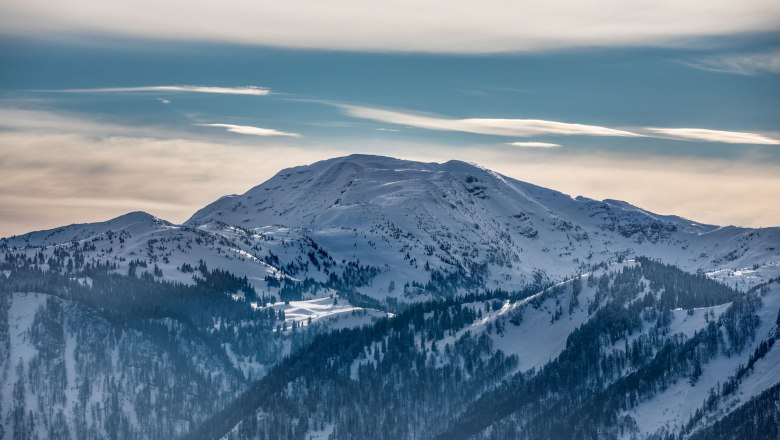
488,126
244,90
706,135
538,127
749,64
250,130
534,144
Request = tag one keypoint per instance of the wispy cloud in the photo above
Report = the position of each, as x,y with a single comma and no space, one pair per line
489,126
60,168
42,121
538,127
706,135
740,64
533,144
400,25
246,90
250,130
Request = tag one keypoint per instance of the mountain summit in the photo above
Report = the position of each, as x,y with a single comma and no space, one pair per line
341,191
429,228
457,216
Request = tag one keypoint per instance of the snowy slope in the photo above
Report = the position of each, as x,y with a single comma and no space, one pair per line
676,405
531,330
68,369
142,237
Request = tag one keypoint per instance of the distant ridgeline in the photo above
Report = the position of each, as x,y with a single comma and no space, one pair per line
373,298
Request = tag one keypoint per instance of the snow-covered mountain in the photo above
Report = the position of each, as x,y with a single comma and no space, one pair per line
461,216
447,279
427,228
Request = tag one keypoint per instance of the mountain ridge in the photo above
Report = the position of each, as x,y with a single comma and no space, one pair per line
454,217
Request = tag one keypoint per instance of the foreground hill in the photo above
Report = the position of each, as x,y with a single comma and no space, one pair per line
632,350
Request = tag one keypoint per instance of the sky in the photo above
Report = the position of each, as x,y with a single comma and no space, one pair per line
164,106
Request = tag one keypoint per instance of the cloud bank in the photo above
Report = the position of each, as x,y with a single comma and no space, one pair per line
465,26
250,130
489,126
